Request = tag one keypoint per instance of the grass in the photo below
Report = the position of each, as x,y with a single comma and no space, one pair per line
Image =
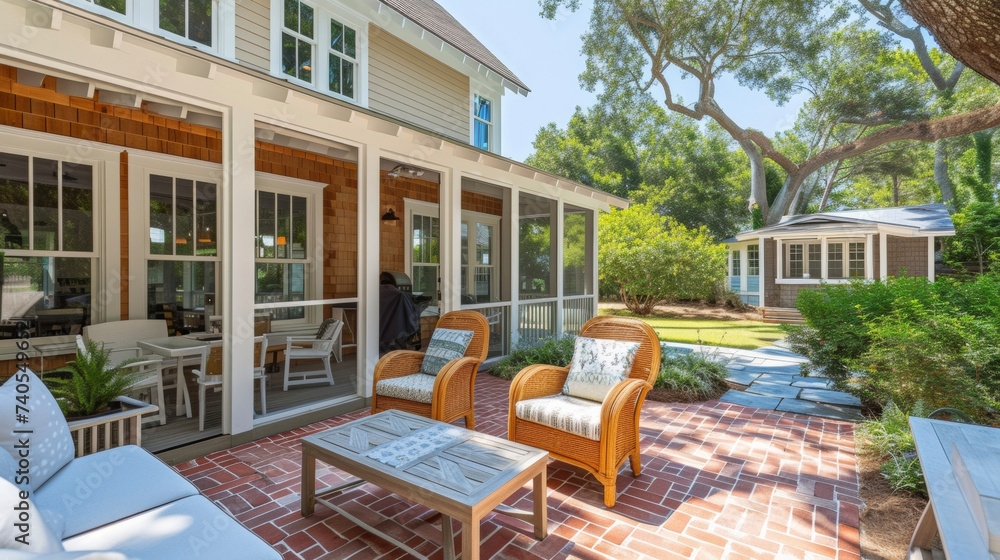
713,332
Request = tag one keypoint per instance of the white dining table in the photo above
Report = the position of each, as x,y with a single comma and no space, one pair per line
177,347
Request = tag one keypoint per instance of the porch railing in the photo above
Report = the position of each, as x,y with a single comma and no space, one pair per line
498,317
536,320
577,310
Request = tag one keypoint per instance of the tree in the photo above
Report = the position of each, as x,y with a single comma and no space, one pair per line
770,45
646,259
964,28
977,235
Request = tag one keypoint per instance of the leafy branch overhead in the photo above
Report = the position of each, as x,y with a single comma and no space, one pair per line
861,95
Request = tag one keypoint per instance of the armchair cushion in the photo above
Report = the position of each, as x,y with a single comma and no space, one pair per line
562,412
598,364
51,443
325,329
415,387
445,345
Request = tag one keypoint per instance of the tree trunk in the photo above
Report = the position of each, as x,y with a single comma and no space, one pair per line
965,29
896,180
941,175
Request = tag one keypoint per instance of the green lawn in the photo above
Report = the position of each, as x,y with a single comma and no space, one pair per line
733,334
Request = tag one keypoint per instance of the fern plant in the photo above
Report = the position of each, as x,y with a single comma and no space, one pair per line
92,381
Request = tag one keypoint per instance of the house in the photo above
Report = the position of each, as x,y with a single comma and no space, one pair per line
245,159
769,266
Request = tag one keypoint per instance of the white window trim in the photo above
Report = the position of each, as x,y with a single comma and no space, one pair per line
312,191
494,222
105,270
824,242
480,89
420,208
144,14
322,13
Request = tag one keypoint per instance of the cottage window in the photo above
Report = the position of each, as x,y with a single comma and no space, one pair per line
835,260
856,260
815,260
482,113
736,263
191,19
298,41
795,260
753,260
343,59
282,257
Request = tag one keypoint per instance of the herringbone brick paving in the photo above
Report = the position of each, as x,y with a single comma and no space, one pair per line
719,481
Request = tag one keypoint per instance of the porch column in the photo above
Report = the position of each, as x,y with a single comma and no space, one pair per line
869,258
592,217
930,258
557,259
883,255
237,243
513,241
369,219
824,254
450,208
761,275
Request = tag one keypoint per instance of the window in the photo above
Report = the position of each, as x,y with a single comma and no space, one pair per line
815,260
795,262
297,41
736,263
426,257
482,113
856,260
479,281
183,244
117,6
343,59
753,260
47,240
282,256
835,260
191,19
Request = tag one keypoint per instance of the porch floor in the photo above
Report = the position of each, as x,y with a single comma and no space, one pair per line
719,481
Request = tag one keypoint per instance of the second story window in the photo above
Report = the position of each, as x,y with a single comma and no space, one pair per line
343,58
191,19
482,113
298,40
116,6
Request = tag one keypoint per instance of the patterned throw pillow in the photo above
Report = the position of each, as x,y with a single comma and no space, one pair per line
325,328
597,366
445,345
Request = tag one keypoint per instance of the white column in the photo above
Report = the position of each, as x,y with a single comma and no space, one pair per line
883,256
237,246
869,258
824,255
760,272
369,213
592,218
513,240
779,260
450,208
556,230
930,258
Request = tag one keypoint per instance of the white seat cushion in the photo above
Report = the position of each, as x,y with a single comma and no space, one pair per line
97,489
192,527
562,412
50,444
415,387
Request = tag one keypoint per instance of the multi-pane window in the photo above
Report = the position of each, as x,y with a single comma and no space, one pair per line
856,260
795,260
426,258
753,260
477,248
815,260
183,244
736,263
191,19
117,6
482,113
343,59
298,40
835,260
46,244
282,259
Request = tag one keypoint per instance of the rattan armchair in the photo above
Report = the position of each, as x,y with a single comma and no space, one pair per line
619,412
454,386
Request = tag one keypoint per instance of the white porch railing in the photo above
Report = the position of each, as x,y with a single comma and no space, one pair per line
577,310
111,430
498,316
536,320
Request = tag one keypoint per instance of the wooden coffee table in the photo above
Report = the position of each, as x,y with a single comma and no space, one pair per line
458,472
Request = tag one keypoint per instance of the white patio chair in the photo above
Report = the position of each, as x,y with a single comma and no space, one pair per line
149,375
320,347
209,375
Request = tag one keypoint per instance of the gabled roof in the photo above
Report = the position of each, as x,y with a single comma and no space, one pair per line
925,219
432,17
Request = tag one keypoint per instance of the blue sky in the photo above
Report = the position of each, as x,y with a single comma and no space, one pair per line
546,56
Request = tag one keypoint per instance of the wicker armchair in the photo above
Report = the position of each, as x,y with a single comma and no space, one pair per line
619,412
454,386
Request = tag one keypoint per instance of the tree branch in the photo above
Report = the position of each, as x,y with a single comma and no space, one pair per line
770,152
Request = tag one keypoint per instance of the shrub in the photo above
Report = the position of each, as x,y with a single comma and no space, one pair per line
697,376
889,436
552,351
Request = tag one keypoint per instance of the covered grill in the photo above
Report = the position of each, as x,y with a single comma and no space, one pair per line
399,313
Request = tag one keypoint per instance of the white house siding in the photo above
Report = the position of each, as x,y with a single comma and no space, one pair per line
411,86
253,22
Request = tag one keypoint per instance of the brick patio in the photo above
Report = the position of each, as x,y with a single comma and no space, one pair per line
718,481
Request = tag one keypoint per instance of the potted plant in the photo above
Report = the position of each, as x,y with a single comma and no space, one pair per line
92,382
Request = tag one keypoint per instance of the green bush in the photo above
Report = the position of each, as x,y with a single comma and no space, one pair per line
697,375
551,351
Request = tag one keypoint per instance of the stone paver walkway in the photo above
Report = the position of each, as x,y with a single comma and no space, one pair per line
719,481
773,381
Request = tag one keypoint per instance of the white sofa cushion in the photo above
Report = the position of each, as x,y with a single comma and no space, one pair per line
97,489
416,387
20,518
49,445
192,527
562,412
64,555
